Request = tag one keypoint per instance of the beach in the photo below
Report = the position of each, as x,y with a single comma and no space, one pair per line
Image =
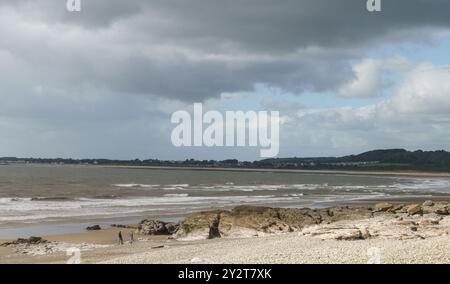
357,235
289,248
220,216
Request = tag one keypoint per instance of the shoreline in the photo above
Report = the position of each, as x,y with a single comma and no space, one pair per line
9,232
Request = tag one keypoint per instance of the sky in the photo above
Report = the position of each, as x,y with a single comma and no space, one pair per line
104,82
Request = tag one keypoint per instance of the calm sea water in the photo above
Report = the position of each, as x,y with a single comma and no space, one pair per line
41,194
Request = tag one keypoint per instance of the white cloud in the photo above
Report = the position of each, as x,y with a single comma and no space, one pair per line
416,116
425,91
369,80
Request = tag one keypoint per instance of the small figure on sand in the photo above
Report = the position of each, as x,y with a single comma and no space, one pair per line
131,237
120,238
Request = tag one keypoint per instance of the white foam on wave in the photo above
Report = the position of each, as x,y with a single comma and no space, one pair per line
423,185
257,187
26,210
135,185
182,198
176,195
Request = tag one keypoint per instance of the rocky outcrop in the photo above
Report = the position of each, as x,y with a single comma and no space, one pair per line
197,225
248,221
94,228
156,227
428,207
414,209
121,226
385,226
29,241
214,231
382,207
38,246
440,208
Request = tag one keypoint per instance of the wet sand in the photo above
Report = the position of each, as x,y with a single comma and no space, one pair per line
106,237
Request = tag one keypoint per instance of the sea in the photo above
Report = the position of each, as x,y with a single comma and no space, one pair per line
45,196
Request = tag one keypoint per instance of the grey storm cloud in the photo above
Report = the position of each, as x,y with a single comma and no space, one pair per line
103,82
193,50
255,24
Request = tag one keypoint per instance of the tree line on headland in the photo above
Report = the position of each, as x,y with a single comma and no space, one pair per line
390,159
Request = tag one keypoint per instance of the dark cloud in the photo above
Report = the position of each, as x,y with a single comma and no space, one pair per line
197,49
253,24
105,66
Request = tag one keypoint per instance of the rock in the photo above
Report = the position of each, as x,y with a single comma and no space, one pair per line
405,223
414,209
428,222
197,226
440,208
35,240
247,221
365,234
441,211
397,208
214,228
156,227
382,207
29,241
341,234
93,228
172,228
124,226
354,235
428,203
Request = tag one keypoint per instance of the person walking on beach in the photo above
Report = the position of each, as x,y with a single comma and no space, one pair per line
120,238
131,237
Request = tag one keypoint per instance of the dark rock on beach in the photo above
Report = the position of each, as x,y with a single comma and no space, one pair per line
29,241
94,228
156,227
121,226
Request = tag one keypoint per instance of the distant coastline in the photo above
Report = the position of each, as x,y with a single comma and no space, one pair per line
381,162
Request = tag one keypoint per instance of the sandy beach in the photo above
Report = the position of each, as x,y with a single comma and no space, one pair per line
287,248
393,236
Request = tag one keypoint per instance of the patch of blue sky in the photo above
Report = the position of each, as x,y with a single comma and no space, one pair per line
436,52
